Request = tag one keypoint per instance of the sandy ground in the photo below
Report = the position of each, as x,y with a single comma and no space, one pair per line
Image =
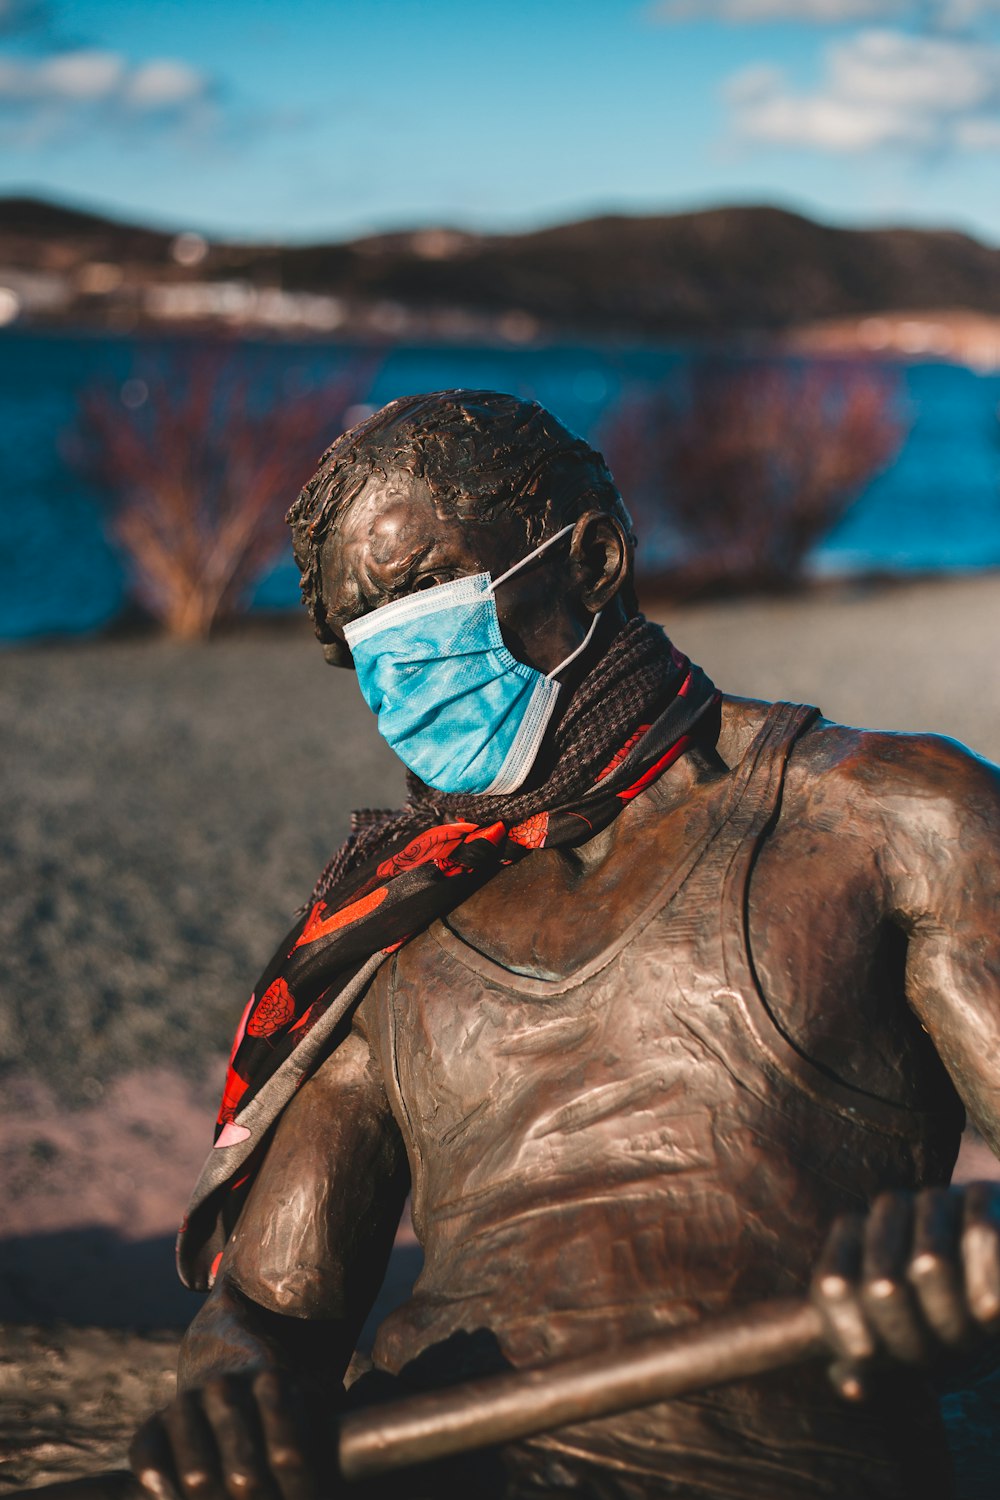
64,1393
167,809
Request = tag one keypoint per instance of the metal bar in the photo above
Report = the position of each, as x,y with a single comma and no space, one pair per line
523,1403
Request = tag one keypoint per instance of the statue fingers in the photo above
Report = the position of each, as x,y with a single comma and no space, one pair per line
850,1379
291,1452
981,1253
232,1414
935,1268
836,1291
886,1294
151,1459
195,1451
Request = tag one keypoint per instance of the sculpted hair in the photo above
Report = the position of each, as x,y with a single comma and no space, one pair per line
482,455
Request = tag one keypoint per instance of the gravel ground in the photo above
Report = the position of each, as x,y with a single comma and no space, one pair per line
168,808
70,1398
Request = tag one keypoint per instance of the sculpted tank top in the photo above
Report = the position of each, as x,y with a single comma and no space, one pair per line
636,1145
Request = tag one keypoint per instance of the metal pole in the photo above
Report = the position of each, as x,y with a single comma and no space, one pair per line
500,1408
523,1403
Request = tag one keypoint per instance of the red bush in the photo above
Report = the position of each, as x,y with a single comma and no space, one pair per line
746,465
199,461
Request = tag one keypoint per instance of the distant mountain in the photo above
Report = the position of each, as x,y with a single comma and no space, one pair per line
721,270
699,272
51,226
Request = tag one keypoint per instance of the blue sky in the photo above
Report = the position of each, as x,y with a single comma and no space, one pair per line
299,119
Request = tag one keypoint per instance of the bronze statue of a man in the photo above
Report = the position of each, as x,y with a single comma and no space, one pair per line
644,989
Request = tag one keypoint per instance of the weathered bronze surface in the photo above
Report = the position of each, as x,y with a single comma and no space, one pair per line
632,1084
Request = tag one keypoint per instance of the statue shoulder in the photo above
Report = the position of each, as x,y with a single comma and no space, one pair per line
915,785
873,783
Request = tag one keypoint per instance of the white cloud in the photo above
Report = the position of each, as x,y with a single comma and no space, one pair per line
932,14
164,85
76,77
935,74
59,94
880,88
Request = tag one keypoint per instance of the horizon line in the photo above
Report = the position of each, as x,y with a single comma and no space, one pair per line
121,219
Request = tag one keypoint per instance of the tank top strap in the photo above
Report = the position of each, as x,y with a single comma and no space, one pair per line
751,818
706,899
755,802
760,775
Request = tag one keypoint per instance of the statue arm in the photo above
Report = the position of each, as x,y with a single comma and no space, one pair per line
299,1275
917,1277
314,1237
941,857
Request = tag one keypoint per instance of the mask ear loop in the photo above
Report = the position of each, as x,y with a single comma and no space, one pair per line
535,552
496,582
579,650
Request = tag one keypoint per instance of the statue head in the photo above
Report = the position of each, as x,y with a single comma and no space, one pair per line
439,486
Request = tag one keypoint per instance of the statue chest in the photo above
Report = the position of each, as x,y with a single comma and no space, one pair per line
597,1101
573,1032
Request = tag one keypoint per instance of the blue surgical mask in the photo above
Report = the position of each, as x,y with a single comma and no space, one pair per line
458,709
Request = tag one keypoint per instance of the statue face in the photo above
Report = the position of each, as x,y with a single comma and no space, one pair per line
394,540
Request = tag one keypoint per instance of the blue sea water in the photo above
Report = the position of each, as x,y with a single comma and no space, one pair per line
937,507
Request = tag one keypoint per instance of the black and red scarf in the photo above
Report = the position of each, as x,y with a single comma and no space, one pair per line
637,712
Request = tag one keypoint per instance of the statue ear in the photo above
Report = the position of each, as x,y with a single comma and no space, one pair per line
601,551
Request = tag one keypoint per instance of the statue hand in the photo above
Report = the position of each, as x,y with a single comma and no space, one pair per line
234,1438
916,1277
